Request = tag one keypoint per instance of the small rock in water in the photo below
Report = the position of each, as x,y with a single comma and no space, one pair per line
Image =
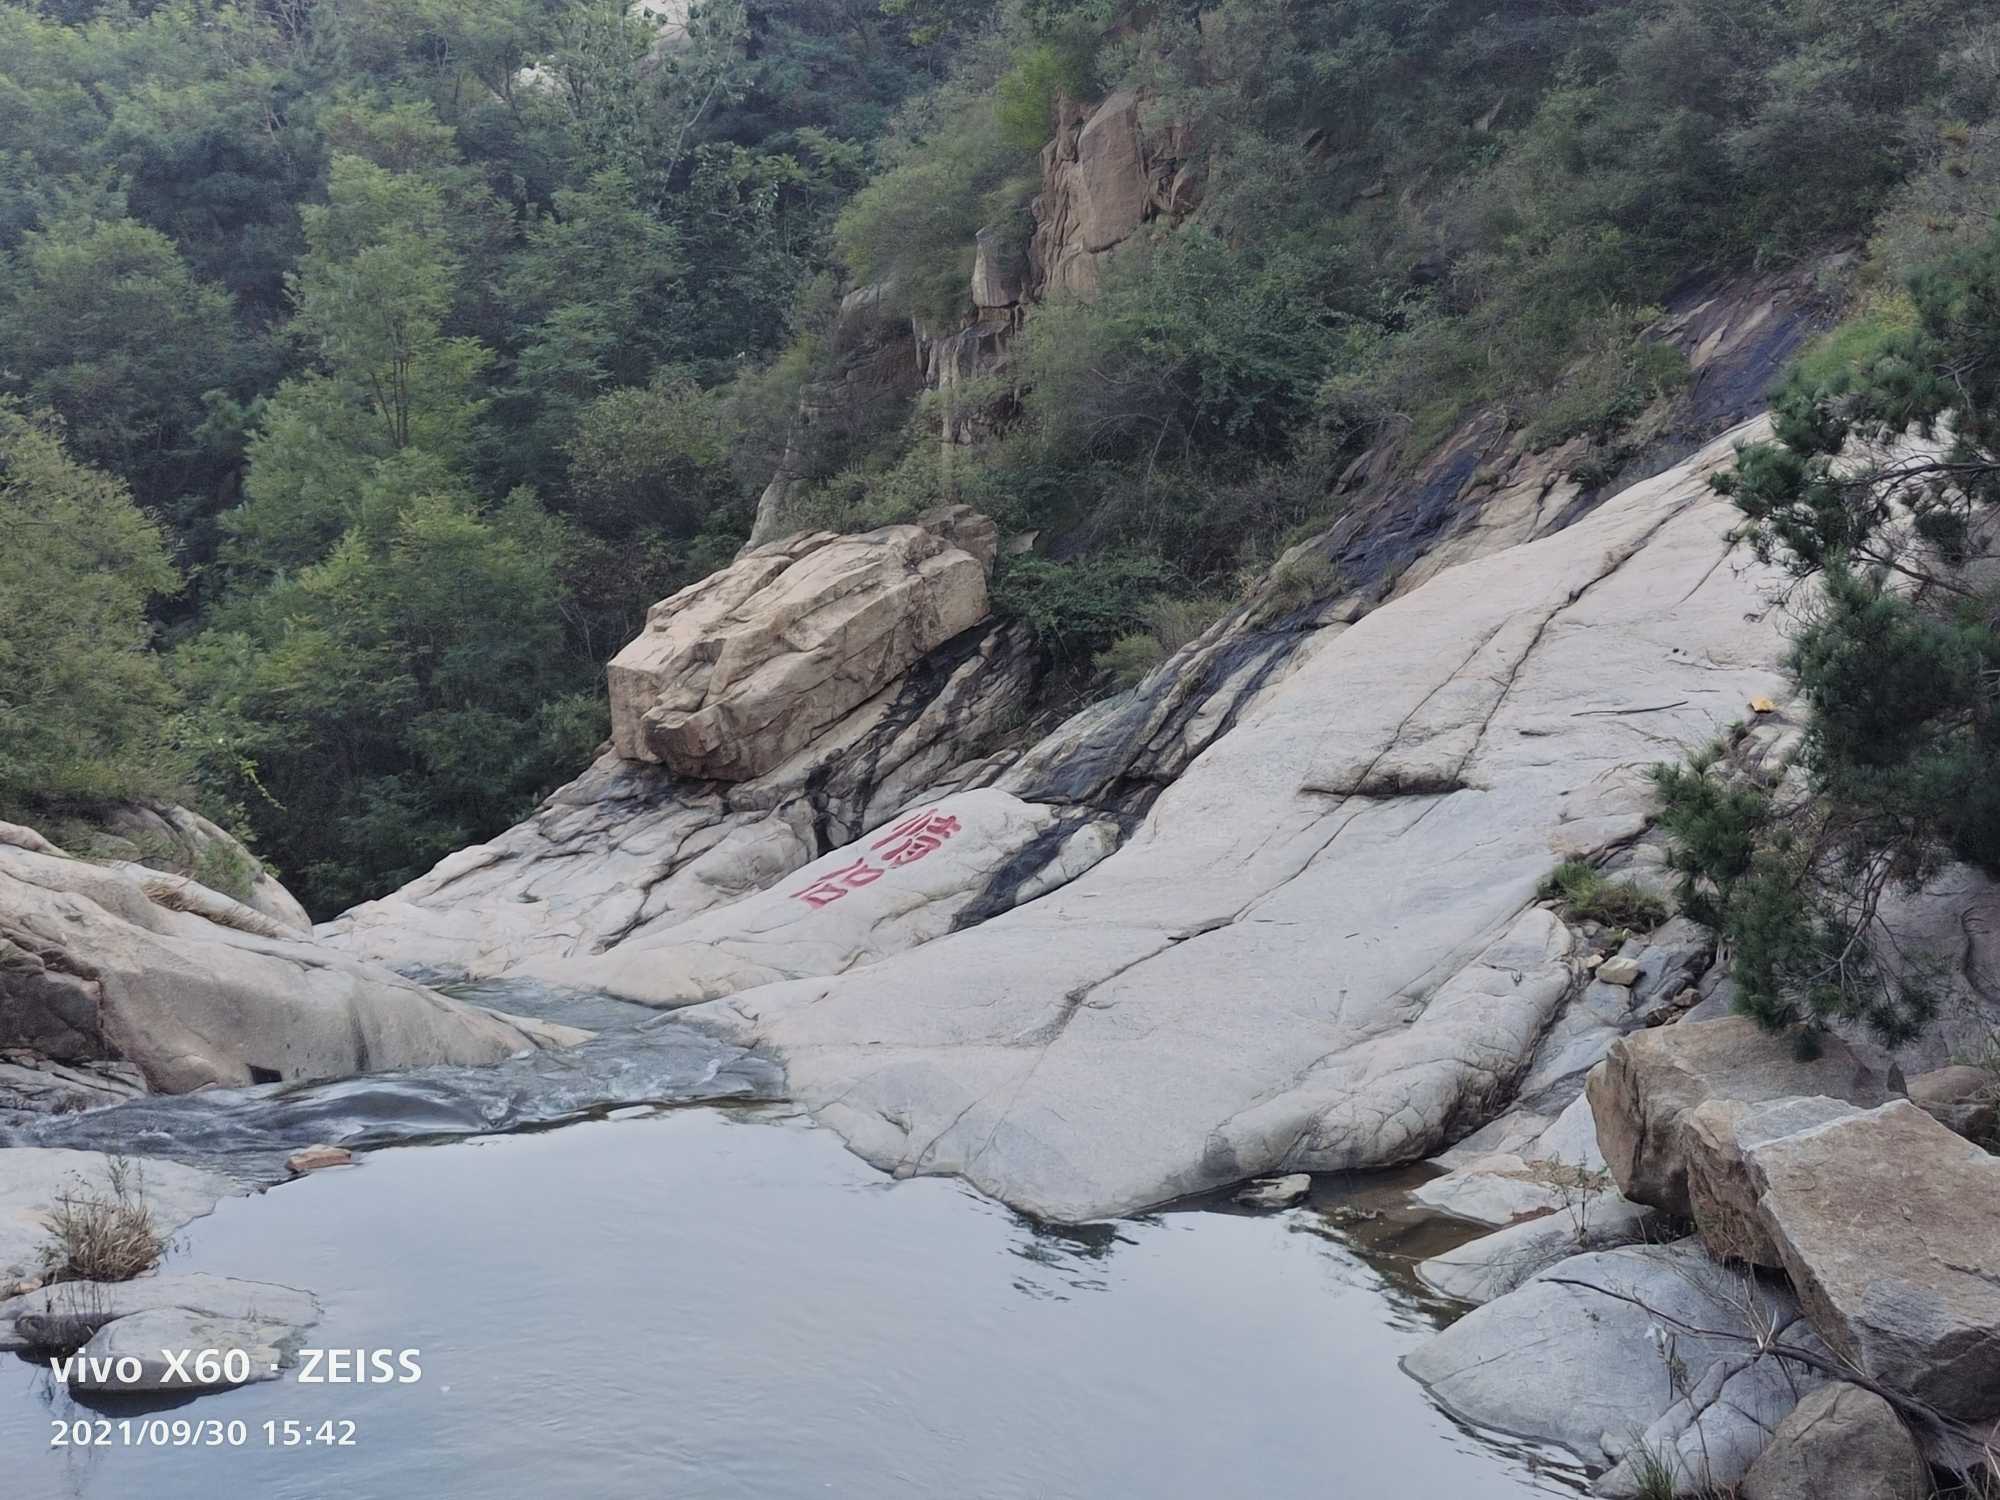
315,1157
1276,1192
1622,971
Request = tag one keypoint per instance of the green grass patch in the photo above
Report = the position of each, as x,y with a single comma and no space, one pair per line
1587,896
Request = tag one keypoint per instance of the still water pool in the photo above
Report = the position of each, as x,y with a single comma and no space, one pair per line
722,1302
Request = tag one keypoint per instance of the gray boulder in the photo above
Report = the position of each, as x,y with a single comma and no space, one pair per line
1593,1351
1889,1227
1495,1264
227,1351
1840,1440
68,1312
1649,1082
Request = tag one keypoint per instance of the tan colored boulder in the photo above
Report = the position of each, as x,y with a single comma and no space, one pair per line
1717,1134
1643,1091
1840,1440
737,673
98,962
318,1158
1961,1098
1111,161
1889,1227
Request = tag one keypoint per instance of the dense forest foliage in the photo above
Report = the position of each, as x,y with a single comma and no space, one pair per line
370,365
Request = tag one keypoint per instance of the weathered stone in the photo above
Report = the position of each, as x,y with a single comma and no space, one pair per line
1580,1356
31,1084
1961,1098
1889,1226
1497,1263
895,888
736,674
316,1158
1840,1440
1708,1439
628,852
1322,949
999,268
33,1180
95,965
1717,1135
1619,971
226,1352
1276,1192
68,1313
1650,1081
178,841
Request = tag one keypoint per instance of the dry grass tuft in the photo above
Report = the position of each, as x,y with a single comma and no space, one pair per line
105,1234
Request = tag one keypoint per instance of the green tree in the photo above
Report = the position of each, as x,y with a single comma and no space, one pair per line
85,711
1879,485
104,324
387,386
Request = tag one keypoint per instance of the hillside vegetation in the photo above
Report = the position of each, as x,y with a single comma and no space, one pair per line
372,364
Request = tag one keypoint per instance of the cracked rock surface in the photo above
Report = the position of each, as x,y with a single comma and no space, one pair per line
1321,949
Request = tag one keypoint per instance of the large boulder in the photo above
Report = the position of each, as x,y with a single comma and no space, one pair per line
1497,1263
1889,1227
1650,1082
1599,1349
192,989
1962,1098
1840,1440
736,674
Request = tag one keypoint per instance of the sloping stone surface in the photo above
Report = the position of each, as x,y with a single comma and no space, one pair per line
94,965
734,675
628,852
1321,950
27,1320
1889,1226
1566,1360
1495,1264
892,889
1643,1092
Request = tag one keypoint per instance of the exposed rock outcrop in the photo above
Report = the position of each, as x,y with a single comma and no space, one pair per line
738,673
178,842
1322,949
1107,171
96,966
1648,1085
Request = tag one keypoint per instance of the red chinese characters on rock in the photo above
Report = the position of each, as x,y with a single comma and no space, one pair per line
905,844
